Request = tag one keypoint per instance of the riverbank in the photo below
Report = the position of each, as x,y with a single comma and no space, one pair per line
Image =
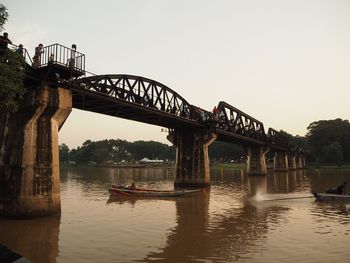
232,166
345,167
229,166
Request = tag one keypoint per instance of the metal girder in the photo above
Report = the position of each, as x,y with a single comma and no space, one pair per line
134,98
276,139
138,90
146,100
246,129
233,120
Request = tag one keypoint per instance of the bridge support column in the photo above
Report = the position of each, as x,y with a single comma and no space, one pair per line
281,162
292,165
300,162
29,161
256,162
192,159
303,160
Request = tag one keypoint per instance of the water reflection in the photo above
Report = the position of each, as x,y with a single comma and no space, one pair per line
134,199
325,179
201,236
222,225
35,239
95,176
257,185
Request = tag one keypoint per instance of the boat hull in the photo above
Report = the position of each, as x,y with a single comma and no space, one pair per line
331,197
149,193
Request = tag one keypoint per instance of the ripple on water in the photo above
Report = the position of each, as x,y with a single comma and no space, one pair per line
223,224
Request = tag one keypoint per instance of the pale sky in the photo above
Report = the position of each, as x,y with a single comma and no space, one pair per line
286,63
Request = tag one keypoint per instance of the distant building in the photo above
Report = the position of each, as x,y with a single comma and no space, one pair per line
146,160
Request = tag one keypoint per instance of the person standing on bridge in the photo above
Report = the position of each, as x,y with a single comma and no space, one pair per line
216,113
71,61
4,41
20,50
37,56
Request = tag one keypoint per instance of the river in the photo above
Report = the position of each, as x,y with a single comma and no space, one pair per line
236,220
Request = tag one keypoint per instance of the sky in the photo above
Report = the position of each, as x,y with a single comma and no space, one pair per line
286,63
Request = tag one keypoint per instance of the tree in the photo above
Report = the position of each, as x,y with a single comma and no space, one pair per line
11,74
151,150
225,151
295,142
118,150
332,154
64,153
3,16
325,132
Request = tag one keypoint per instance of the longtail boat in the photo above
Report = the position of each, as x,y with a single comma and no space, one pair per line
331,197
127,191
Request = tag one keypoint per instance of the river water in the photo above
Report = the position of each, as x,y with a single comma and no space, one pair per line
236,220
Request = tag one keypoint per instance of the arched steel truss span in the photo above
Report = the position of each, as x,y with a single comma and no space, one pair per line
235,124
145,100
276,139
134,97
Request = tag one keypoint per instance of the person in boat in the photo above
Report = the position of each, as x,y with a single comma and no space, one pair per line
132,186
340,190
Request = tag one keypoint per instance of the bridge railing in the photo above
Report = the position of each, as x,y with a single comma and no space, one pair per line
23,51
61,55
89,74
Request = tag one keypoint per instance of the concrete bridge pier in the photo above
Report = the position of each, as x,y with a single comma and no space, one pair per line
292,164
303,160
281,162
300,162
29,161
256,162
192,159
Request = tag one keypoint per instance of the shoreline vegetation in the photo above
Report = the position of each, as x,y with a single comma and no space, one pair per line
328,167
234,166
325,146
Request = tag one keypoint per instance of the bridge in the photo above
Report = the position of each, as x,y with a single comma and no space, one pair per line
58,82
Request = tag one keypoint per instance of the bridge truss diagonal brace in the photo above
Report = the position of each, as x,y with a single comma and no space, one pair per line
192,159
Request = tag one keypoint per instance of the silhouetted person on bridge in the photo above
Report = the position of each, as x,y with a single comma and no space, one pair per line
216,113
37,56
71,61
4,41
20,50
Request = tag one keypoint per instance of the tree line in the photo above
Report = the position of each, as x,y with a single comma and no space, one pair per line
122,150
326,142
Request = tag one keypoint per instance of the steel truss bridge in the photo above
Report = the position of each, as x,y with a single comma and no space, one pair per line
145,100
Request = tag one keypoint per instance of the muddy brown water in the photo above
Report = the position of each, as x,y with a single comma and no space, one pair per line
236,220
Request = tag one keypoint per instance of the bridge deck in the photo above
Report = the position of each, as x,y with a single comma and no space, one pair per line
144,100
104,104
